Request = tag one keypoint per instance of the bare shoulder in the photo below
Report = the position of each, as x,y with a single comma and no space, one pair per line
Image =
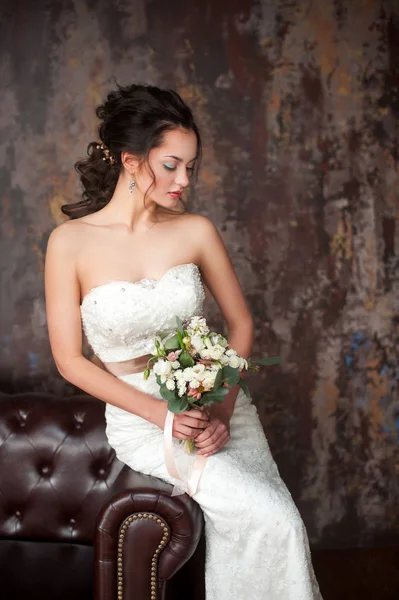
66,235
198,226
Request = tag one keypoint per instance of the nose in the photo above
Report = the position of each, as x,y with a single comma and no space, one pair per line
181,178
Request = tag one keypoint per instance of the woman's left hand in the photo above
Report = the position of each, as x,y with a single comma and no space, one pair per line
214,436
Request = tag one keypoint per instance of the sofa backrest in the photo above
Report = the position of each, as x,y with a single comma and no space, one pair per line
55,466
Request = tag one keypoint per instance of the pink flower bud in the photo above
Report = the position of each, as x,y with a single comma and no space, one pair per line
194,393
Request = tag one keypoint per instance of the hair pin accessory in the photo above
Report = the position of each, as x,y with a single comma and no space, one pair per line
107,154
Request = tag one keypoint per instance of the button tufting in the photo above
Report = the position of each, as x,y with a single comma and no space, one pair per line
17,514
101,471
78,426
45,470
72,521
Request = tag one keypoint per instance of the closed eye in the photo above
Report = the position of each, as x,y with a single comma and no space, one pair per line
172,168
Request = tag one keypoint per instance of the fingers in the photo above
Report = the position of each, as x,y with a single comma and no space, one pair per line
205,434
182,436
211,436
187,434
191,421
197,415
215,446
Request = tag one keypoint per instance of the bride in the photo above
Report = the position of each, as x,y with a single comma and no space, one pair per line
127,262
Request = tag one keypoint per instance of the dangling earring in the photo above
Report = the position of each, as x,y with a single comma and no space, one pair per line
132,185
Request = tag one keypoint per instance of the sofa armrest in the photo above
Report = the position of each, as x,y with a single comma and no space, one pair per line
143,537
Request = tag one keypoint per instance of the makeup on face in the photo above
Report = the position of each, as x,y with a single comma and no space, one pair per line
170,166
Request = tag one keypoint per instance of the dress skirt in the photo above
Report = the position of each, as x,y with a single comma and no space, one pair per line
256,543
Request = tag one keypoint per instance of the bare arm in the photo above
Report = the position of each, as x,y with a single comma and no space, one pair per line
65,331
222,282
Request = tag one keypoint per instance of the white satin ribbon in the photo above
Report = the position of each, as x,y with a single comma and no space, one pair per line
196,469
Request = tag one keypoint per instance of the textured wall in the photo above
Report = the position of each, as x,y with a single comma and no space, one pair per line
298,102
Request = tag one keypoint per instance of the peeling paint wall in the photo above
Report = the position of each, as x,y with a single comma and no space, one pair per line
298,102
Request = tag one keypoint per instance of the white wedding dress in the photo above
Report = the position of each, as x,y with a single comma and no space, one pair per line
256,543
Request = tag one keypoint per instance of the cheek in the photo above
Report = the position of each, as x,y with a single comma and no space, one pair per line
164,178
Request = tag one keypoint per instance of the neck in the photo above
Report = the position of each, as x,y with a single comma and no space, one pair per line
128,208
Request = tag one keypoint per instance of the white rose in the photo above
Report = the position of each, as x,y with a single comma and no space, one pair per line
170,384
197,342
209,380
212,372
188,374
216,352
208,384
199,371
162,367
224,360
244,364
231,352
175,364
205,353
234,361
219,339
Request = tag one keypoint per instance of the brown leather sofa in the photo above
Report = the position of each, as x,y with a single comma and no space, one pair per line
75,523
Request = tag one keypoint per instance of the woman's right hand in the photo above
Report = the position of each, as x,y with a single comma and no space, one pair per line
187,424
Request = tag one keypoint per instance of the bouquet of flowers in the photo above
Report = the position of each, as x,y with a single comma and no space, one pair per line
195,367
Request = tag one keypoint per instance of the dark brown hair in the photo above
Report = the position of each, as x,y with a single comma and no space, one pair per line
134,119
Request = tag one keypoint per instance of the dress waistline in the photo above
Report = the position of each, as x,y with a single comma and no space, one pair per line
127,367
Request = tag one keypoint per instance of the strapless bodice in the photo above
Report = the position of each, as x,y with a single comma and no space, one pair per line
120,318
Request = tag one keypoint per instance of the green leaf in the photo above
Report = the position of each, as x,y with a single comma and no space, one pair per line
167,394
178,405
175,403
272,360
231,376
180,326
218,380
171,342
181,343
214,396
244,386
185,359
158,378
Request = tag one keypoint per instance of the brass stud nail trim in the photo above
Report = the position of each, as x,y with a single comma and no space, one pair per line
128,521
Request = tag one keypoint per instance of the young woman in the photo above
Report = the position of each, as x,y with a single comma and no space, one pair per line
124,266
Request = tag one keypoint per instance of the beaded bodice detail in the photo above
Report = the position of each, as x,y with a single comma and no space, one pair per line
120,318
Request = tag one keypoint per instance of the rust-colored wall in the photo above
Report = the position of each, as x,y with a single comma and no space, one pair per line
299,106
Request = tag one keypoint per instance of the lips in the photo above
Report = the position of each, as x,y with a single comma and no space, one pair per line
175,194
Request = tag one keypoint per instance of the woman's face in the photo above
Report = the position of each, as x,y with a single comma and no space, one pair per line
172,164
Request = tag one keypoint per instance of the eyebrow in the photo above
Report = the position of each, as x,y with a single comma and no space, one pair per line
178,158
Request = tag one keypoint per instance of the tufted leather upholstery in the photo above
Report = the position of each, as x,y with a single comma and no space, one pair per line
63,492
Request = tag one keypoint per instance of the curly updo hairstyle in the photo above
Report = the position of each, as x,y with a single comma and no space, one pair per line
134,119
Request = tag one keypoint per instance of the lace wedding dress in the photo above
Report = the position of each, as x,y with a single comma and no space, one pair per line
256,542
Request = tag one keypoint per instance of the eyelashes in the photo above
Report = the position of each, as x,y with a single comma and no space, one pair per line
172,168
